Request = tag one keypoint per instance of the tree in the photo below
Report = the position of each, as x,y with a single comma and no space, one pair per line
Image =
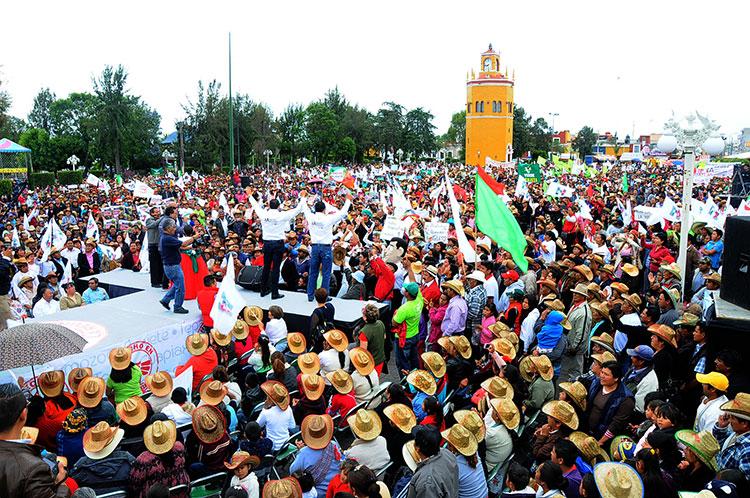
37,140
113,112
521,131
75,116
346,149
419,132
40,115
358,124
389,127
541,136
584,141
456,133
322,129
291,129
261,124
5,102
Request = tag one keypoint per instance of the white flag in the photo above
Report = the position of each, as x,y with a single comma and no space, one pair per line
470,255
143,256
521,189
670,211
743,209
93,180
555,189
142,190
26,222
584,209
223,203
67,274
92,229
228,302
15,241
58,236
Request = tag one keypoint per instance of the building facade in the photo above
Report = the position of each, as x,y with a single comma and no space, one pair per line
489,112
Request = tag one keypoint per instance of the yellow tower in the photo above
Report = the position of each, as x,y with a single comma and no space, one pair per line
489,112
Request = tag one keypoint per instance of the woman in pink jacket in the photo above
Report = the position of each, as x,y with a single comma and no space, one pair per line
437,313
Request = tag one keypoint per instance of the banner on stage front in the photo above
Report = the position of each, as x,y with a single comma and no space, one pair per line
392,228
435,231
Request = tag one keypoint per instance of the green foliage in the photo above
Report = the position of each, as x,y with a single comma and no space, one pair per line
5,102
322,129
541,135
584,141
41,179
521,131
291,131
419,132
38,141
456,133
389,126
40,115
346,148
70,177
6,187
98,172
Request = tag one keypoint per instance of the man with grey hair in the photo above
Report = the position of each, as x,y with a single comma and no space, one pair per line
169,248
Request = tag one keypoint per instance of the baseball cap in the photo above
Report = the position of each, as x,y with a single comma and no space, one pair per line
359,276
705,259
715,379
511,274
643,352
411,288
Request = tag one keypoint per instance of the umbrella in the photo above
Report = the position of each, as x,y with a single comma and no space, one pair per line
36,344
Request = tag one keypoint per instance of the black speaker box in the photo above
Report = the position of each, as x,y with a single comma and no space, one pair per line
735,273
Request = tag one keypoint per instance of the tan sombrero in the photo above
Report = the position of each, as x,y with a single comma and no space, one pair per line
91,391
633,299
52,383
317,431
555,305
101,440
212,392
435,363
337,339
362,361
159,437
341,381
365,424
703,444
499,328
253,315
25,280
630,269
240,330
422,380
507,411
462,345
601,308
76,375
296,342
604,357
588,446
672,268
608,269
504,347
120,358
287,487
605,341
221,339
543,366
276,392
133,410
339,254
497,387
585,271
160,383
455,285
619,287
308,363
472,421
313,386
664,332
581,289
196,344
618,480
411,458
576,392
561,411
550,284
402,416
209,424
739,406
242,458
462,439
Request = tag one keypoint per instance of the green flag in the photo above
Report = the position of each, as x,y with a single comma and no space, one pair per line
541,161
118,180
495,220
625,183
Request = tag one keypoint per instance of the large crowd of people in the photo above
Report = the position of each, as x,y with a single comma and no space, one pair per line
595,372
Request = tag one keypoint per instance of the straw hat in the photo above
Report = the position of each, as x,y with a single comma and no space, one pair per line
365,424
510,337
455,285
462,345
605,341
296,342
29,434
287,487
630,269
563,412
417,267
504,347
276,392
588,446
25,280
362,361
581,289
337,339
633,299
242,458
664,332
714,277
703,444
120,358
550,284
687,319
739,406
51,383
608,269
585,271
674,296
555,305
499,328
477,275
101,440
543,366
402,416
600,308
497,387
672,268
196,344
604,357
76,375
411,458
339,254
133,410
309,363
462,439
213,392
507,412
618,480
576,392
524,368
341,381
313,386
209,424
160,437
220,338
253,315
619,287
160,383
240,330
91,391
472,421
435,363
422,380
317,431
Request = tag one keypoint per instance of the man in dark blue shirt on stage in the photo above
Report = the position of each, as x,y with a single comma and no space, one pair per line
169,248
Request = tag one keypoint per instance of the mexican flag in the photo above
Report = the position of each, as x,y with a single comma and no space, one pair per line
495,219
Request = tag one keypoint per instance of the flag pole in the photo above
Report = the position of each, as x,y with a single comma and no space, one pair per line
231,110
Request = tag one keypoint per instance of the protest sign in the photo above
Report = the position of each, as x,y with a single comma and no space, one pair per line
392,228
530,172
435,231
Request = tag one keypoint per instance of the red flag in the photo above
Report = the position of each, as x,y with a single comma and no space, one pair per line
348,181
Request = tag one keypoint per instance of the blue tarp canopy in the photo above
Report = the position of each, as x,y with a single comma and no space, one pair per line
10,147
171,138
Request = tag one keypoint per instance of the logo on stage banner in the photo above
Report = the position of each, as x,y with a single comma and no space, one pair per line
145,356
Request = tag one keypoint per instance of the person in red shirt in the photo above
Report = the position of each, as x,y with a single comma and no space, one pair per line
48,413
340,482
203,359
343,399
659,254
430,287
385,275
206,297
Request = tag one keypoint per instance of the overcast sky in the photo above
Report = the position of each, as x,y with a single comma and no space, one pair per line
615,66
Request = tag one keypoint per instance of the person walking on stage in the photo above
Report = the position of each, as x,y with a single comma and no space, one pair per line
274,224
321,236
154,258
169,247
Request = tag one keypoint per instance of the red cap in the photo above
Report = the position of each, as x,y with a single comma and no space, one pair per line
511,274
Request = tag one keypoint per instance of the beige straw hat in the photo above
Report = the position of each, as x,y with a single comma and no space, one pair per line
160,437
365,424
402,416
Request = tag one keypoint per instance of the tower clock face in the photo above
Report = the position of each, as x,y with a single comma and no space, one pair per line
487,64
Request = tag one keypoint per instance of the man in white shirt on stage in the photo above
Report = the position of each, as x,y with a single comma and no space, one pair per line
46,305
321,236
275,224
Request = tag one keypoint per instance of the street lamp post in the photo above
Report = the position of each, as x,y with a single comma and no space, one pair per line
267,153
400,154
688,135
553,115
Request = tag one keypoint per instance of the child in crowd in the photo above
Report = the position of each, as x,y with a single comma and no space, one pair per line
276,330
255,442
489,317
517,482
241,465
340,483
307,484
